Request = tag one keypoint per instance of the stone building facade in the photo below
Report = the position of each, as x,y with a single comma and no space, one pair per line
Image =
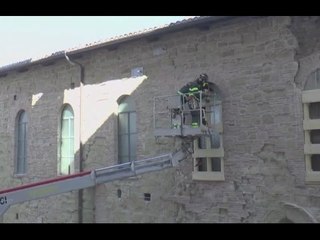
267,71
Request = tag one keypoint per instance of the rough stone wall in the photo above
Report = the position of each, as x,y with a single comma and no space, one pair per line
255,64
42,129
306,31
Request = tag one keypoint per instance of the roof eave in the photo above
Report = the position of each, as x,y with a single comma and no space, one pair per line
156,32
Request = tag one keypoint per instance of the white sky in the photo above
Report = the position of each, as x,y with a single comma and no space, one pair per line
32,37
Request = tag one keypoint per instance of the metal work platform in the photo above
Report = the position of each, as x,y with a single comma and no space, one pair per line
173,116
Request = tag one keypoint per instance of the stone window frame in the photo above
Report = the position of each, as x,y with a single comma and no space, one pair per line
127,108
71,168
20,164
311,94
214,117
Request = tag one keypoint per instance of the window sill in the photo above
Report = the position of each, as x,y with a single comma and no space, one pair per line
313,177
208,176
19,175
312,149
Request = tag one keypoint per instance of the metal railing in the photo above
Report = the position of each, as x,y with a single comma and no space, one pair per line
185,105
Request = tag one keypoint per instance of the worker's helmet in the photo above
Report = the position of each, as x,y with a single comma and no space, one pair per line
203,78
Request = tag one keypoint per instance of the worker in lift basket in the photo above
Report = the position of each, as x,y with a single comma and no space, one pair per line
190,94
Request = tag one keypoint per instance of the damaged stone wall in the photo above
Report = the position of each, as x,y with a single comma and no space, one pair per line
306,32
260,65
253,61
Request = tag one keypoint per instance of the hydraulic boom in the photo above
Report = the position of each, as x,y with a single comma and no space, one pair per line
58,185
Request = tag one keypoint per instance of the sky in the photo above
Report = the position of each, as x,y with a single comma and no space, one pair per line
35,36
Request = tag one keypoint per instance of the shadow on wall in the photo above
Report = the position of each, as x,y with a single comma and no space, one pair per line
99,108
95,108
99,118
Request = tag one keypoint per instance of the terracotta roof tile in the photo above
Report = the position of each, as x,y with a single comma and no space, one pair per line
89,46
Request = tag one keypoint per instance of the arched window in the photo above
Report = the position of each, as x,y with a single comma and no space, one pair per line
208,163
311,125
66,151
21,143
127,130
